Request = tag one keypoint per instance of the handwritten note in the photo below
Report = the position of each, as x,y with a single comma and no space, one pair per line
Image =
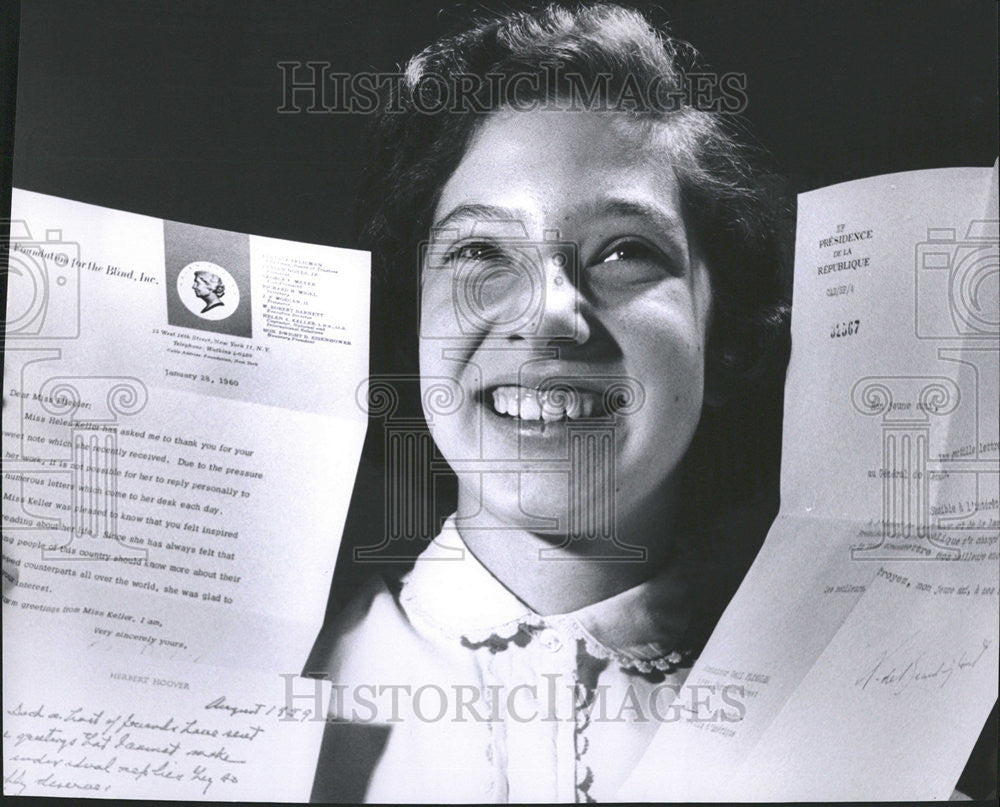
120,727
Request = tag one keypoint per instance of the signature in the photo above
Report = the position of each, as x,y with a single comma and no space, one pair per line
907,666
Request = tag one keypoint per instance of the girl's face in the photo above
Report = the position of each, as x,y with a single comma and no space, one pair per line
565,310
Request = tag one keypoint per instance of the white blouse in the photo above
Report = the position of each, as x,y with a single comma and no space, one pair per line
477,698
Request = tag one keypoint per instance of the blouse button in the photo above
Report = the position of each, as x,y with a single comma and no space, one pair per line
550,640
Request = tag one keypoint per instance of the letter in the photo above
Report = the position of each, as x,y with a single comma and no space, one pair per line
365,703
461,704
313,88
395,689
123,410
316,695
883,407
673,710
632,703
438,99
512,694
738,703
442,702
364,96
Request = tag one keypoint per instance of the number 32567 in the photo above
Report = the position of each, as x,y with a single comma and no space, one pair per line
848,328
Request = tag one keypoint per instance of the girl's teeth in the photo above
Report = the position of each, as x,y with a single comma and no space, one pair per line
530,404
550,410
530,410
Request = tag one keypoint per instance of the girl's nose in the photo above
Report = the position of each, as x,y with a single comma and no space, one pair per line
558,310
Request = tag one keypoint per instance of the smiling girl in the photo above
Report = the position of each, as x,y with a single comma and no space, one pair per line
601,300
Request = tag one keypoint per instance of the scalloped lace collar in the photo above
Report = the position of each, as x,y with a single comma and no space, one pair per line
450,591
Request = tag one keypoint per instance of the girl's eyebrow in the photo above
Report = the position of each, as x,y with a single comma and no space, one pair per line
659,218
656,216
638,208
477,212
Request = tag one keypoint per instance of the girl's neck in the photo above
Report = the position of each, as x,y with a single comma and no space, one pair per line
555,575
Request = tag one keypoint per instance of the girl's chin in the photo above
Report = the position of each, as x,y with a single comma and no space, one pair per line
542,502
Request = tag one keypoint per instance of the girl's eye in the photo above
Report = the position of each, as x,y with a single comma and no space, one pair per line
632,251
629,262
478,251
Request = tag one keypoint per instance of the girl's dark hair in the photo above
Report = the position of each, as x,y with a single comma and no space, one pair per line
603,57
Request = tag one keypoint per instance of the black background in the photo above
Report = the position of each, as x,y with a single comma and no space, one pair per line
168,107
